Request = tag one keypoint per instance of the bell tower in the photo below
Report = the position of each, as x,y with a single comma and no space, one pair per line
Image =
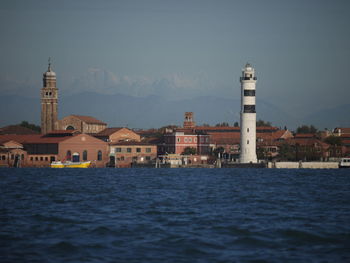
189,120
49,101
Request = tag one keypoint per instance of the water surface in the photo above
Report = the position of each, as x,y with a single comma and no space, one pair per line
174,215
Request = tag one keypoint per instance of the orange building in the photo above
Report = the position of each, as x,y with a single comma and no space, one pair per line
41,150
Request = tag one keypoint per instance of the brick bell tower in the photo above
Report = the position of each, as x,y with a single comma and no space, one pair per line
49,101
189,120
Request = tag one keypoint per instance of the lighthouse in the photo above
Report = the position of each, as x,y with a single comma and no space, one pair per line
248,115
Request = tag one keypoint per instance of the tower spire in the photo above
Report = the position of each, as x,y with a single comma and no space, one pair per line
49,61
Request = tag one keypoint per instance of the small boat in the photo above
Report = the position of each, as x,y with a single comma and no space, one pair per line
344,163
68,164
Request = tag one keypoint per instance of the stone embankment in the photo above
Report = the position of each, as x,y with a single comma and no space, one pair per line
310,165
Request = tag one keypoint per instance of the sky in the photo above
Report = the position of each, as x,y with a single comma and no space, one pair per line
180,49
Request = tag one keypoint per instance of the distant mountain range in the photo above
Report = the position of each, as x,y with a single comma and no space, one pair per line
155,111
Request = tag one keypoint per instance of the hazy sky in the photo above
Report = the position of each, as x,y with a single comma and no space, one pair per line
300,49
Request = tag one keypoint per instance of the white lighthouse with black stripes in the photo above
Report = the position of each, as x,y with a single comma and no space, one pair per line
248,116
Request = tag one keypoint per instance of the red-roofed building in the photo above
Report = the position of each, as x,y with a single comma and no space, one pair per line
83,124
124,153
117,135
41,150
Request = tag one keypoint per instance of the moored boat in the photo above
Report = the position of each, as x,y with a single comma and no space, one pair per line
70,164
344,163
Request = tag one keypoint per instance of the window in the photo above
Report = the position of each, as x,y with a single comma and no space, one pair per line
247,141
46,158
118,150
148,150
99,156
12,157
134,158
207,139
249,108
178,139
148,158
69,155
247,129
138,150
22,157
36,158
41,158
31,158
185,139
249,92
195,139
122,158
85,155
4,157
189,139
128,150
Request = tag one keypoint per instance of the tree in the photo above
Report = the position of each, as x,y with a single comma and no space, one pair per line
30,126
236,124
223,124
261,123
219,150
333,140
189,151
306,129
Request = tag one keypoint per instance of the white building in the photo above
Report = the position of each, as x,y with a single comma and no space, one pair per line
248,116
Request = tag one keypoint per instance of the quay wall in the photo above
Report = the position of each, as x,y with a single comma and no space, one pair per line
309,165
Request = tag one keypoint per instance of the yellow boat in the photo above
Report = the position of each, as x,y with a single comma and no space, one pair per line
70,164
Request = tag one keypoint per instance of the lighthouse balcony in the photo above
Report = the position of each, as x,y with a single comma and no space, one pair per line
247,78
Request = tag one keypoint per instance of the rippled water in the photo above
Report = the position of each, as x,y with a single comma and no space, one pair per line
174,215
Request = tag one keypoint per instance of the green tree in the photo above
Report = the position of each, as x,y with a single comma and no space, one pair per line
223,124
236,124
30,126
333,140
189,151
307,129
261,123
287,152
218,150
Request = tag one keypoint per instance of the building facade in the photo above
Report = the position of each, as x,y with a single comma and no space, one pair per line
124,154
83,124
176,142
248,116
49,101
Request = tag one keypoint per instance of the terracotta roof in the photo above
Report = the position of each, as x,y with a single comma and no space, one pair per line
16,129
32,139
306,142
88,119
131,143
108,131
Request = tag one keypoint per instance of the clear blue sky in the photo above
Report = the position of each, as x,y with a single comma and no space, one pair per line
300,48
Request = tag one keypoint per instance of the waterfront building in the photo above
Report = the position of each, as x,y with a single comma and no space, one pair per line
177,141
42,150
49,101
125,153
83,124
248,116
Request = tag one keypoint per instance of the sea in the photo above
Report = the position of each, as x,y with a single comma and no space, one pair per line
174,215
